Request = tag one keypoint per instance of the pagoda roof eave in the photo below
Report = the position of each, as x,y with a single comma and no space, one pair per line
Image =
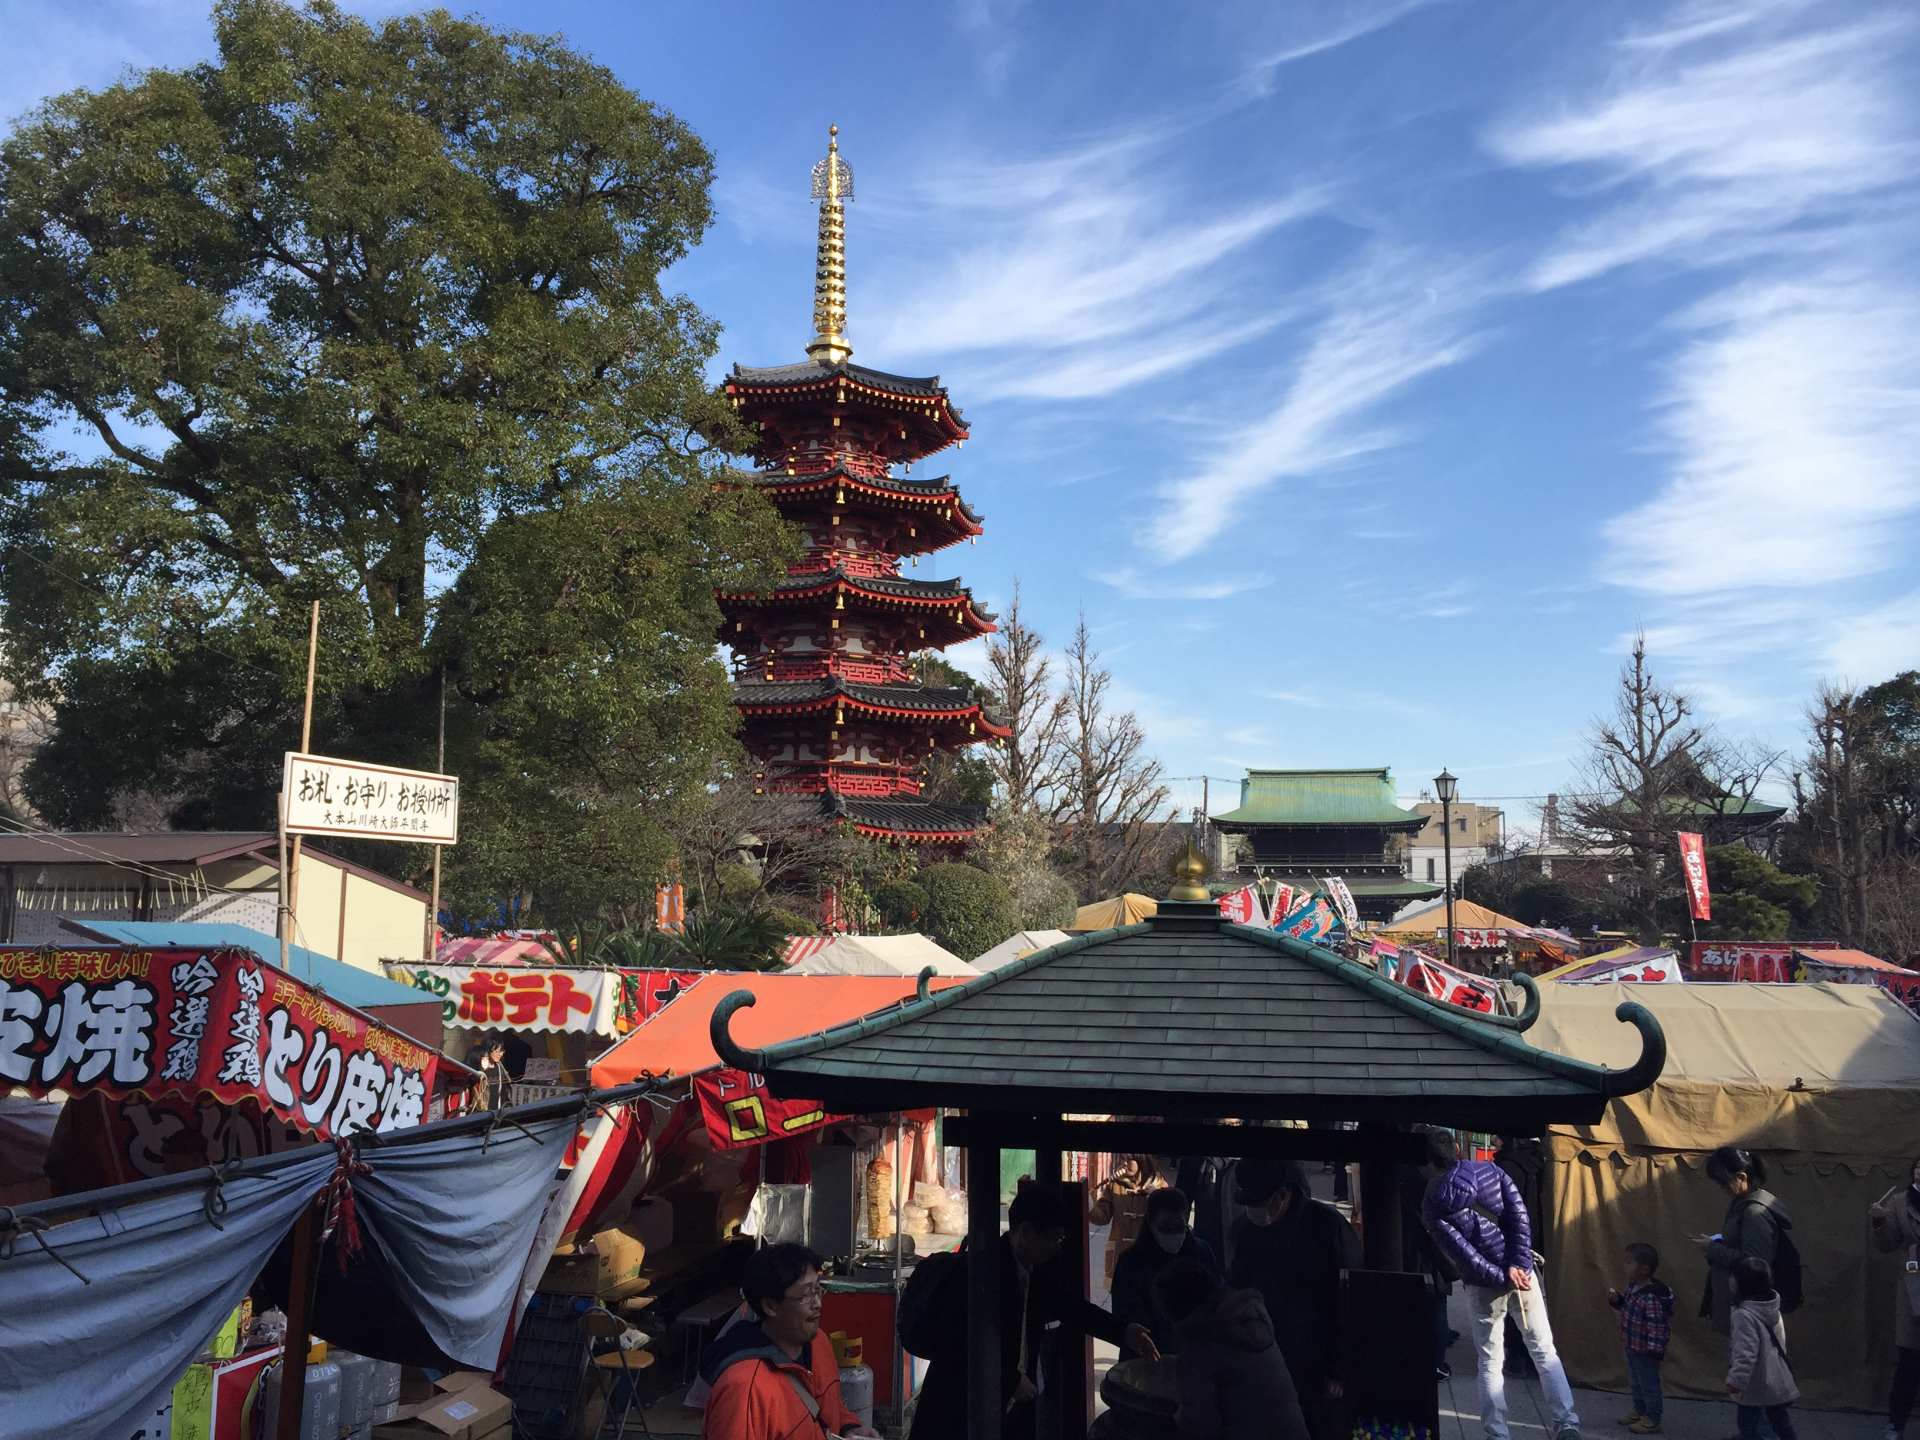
1239,822
937,491
804,697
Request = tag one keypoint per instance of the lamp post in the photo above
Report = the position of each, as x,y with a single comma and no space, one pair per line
1444,785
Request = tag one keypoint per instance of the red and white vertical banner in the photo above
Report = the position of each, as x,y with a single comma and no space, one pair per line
1693,862
1243,906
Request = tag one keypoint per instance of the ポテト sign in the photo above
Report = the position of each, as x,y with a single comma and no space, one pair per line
204,1023
374,802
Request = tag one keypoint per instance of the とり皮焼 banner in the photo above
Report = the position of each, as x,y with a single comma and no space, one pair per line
216,1023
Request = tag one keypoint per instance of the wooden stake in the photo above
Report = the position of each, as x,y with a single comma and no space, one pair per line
292,858
293,1359
439,764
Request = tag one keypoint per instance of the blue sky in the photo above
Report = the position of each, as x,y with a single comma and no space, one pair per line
1367,373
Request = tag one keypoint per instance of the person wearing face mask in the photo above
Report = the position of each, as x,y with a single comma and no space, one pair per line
1167,1239
1291,1248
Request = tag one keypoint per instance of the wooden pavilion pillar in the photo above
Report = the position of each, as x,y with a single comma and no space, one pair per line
1380,1199
983,1291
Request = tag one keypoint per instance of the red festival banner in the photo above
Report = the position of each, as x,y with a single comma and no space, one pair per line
1242,906
193,1024
1693,863
741,1111
1764,961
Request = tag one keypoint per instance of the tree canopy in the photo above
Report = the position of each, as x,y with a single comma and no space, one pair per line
371,316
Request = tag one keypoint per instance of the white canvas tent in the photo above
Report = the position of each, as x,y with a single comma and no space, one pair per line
880,955
1021,942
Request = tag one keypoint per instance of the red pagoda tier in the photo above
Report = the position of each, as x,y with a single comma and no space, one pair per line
830,702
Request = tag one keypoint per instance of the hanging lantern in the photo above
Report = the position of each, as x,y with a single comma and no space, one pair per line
839,600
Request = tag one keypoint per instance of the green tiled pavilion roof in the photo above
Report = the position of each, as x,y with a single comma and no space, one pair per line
1319,797
1188,1016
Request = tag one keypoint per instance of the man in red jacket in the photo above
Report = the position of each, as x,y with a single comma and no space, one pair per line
777,1380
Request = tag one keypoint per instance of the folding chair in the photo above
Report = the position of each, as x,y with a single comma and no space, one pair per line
618,1364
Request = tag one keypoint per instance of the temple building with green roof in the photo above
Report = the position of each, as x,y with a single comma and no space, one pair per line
1298,827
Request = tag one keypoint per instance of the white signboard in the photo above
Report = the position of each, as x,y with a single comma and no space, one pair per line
372,802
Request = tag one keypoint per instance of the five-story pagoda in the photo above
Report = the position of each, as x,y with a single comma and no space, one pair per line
830,704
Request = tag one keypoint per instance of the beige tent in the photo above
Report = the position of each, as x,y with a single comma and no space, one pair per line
1466,916
1021,942
1128,909
880,955
1823,1080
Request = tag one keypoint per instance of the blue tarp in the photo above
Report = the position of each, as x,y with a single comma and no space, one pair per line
454,1220
99,1358
346,983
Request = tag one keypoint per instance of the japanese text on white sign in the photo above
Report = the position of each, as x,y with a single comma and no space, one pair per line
375,802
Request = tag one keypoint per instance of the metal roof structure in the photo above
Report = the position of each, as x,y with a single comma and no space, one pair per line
1319,797
1188,1017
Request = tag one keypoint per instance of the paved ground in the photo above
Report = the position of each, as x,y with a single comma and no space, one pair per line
1600,1410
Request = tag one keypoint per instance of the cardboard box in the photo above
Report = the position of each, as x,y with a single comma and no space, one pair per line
571,1273
467,1408
622,1254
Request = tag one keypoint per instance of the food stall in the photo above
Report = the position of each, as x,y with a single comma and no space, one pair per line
727,1165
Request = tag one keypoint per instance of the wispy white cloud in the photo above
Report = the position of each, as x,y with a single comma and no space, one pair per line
1793,422
1380,328
1130,582
1774,148
1079,274
1709,153
1312,33
1867,648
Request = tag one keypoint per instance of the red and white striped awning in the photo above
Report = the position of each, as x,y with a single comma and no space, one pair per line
804,947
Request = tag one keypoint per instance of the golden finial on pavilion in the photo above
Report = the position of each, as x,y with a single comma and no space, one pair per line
832,187
1190,875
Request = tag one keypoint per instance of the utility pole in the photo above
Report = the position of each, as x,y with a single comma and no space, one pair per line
440,767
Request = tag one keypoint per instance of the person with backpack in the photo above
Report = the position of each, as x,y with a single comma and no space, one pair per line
1895,1219
1036,1298
1756,1227
1474,1212
1759,1374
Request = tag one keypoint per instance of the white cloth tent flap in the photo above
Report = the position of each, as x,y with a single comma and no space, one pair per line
881,955
1021,942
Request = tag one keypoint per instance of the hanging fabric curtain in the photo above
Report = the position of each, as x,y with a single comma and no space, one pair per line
455,1218
100,1357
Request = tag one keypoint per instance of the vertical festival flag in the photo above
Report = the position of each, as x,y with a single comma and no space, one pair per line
1343,902
670,908
1693,860
1243,906
1282,906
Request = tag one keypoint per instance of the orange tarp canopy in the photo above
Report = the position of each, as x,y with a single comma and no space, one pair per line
676,1041
1852,959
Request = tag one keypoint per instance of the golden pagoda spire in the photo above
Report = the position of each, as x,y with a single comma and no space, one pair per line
832,187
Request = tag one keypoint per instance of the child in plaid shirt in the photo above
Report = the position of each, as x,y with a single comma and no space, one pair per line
1646,1324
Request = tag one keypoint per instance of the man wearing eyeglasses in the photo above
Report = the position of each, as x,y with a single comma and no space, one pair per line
775,1378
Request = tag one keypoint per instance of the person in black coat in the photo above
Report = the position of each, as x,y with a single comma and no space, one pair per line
1291,1248
1234,1384
1036,1298
1167,1239
1420,1256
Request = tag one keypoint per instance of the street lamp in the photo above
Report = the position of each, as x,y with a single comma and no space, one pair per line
1445,785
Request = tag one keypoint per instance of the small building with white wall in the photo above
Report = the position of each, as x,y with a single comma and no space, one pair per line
344,911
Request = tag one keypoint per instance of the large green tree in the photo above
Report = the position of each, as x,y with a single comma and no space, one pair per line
371,316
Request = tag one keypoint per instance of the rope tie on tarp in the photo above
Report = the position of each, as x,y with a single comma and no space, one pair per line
343,1217
12,1227
216,1203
